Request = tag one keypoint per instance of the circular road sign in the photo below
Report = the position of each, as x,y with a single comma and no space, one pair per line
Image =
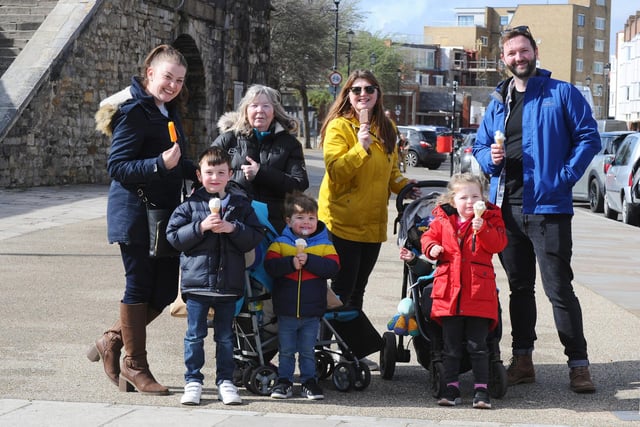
335,78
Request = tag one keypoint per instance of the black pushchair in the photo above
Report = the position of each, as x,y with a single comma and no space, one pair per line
413,219
356,338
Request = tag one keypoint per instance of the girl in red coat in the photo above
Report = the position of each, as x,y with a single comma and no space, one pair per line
465,298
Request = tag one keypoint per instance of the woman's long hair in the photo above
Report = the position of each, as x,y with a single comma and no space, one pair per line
242,125
342,108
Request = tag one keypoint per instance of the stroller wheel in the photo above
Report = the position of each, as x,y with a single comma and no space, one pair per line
344,376
263,379
498,381
324,364
388,356
362,377
246,378
437,379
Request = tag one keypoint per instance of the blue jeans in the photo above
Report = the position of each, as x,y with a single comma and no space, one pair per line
297,335
546,238
152,281
197,310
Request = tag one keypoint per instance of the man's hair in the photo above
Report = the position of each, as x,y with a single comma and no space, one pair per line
299,202
509,33
214,156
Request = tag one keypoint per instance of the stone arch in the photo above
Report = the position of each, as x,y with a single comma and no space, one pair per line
195,119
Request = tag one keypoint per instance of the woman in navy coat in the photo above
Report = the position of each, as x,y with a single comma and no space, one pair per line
143,160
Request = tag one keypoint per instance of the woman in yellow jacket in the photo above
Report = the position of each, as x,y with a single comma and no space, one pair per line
361,171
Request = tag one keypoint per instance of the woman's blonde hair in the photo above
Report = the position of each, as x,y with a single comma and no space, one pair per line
242,125
455,182
342,108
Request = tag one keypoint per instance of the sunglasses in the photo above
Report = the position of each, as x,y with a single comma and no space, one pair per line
522,29
357,90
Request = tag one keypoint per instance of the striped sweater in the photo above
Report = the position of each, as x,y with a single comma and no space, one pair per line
301,293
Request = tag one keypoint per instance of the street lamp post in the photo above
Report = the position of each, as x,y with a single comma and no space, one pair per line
350,35
335,46
453,122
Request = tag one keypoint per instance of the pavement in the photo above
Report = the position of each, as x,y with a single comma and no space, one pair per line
61,282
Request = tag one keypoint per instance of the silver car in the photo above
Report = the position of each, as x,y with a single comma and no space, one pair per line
590,187
619,179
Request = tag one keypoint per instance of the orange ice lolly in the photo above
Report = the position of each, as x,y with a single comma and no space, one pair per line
172,132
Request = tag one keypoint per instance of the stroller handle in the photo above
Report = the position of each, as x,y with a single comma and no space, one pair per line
402,195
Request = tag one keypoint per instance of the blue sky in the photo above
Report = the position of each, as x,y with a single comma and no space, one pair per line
407,17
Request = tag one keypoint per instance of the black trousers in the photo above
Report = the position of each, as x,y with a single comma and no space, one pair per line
458,330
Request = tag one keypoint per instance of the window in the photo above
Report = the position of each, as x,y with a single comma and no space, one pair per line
599,45
580,20
598,68
484,40
465,21
580,42
504,21
439,80
600,3
579,65
600,23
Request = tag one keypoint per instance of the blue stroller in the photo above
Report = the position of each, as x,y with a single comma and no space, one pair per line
413,219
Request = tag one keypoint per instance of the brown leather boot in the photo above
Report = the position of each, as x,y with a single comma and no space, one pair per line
580,380
108,348
134,370
521,371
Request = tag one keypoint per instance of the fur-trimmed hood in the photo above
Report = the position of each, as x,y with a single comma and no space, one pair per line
108,108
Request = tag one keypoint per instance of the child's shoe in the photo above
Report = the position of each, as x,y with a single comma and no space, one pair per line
450,396
311,390
481,399
192,393
228,393
282,390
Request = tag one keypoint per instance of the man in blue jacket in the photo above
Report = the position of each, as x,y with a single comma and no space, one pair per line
550,136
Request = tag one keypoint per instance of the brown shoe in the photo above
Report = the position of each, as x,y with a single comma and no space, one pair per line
521,371
580,380
108,348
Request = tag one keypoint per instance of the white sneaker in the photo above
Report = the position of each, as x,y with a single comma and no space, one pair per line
228,393
373,366
192,393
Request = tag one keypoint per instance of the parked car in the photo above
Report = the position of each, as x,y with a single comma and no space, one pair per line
590,187
463,159
421,147
619,180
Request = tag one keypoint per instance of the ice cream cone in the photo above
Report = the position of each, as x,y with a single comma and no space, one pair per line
478,209
301,244
214,205
499,138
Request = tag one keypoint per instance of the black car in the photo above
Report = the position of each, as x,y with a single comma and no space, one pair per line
421,145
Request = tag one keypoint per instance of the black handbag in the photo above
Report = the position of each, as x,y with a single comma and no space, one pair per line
158,219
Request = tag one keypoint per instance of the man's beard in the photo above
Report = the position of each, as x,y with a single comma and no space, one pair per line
528,72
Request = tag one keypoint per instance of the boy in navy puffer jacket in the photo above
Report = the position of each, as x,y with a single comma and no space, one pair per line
213,230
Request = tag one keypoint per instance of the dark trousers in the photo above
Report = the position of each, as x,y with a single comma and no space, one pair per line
456,330
546,238
153,281
357,260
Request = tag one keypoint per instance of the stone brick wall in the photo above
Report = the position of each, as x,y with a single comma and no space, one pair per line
54,140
